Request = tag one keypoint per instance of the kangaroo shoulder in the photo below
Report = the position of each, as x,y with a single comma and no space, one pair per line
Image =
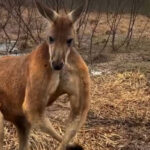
77,62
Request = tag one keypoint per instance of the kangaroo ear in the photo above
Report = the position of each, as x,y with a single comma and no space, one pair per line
46,12
75,14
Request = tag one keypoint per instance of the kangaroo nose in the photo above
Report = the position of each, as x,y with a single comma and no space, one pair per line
57,65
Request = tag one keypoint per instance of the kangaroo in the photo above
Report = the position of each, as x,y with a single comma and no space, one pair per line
32,82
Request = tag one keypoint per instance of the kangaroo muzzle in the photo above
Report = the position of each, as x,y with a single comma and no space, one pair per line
57,65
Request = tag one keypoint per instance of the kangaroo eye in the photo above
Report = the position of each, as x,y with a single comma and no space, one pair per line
51,40
69,42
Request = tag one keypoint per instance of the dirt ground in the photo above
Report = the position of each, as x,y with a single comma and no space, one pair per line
119,116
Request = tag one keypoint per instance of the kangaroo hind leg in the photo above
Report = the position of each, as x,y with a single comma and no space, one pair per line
23,130
1,131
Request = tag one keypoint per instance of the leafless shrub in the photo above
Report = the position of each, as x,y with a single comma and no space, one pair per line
22,24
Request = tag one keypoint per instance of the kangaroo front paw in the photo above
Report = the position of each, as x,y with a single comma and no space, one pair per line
74,147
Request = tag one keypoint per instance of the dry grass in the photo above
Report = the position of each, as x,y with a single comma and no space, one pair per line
123,25
119,118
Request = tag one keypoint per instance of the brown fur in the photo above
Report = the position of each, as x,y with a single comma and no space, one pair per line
22,71
28,84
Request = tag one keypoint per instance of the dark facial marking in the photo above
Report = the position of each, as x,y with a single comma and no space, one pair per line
69,42
51,40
